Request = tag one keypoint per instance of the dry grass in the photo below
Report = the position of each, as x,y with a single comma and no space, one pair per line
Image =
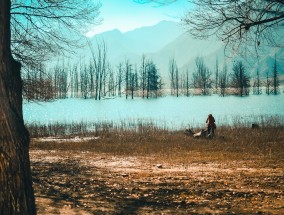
265,145
240,171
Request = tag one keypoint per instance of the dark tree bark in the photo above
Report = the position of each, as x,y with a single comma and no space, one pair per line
16,193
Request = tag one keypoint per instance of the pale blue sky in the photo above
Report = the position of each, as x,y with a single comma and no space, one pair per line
127,15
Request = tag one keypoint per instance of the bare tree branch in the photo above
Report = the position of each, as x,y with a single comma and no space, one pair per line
41,29
238,23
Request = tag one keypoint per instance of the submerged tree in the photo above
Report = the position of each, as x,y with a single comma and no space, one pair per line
257,84
28,28
267,84
128,70
223,80
185,84
240,79
216,74
143,75
99,62
154,82
275,78
38,84
174,77
202,77
119,79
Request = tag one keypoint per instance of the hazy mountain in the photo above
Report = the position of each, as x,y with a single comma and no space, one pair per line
185,49
133,44
166,40
153,38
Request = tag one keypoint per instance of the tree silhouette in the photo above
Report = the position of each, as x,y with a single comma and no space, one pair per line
240,79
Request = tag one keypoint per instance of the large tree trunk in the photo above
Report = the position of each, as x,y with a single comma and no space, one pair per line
16,192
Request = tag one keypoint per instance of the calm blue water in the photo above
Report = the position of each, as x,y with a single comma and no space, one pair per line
168,111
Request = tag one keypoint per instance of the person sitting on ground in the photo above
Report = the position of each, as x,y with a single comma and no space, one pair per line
211,126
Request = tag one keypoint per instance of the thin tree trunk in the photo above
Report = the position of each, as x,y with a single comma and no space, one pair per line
16,193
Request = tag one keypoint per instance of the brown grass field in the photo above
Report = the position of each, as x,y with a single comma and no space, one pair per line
154,171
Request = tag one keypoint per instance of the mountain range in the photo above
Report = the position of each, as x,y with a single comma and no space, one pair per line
167,40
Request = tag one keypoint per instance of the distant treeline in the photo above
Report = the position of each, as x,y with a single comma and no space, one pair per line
98,79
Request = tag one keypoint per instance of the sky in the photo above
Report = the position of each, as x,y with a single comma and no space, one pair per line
126,15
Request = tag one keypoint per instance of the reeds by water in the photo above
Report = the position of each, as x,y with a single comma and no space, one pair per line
59,129
236,142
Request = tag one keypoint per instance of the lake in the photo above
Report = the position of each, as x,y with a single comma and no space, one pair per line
168,111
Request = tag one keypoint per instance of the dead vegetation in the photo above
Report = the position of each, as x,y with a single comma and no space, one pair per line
154,171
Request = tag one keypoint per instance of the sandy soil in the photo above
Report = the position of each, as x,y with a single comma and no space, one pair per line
89,183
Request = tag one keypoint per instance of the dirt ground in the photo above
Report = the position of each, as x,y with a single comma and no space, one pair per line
90,183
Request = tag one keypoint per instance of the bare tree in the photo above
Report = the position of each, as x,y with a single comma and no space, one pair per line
38,84
216,74
111,82
132,76
268,83
257,84
143,75
26,28
174,77
74,81
187,83
202,77
84,81
252,22
275,78
240,79
92,73
119,79
60,81
127,77
99,57
49,26
223,80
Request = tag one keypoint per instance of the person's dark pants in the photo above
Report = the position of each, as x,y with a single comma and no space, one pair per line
210,131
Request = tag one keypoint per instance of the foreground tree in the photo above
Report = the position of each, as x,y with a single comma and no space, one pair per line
16,193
